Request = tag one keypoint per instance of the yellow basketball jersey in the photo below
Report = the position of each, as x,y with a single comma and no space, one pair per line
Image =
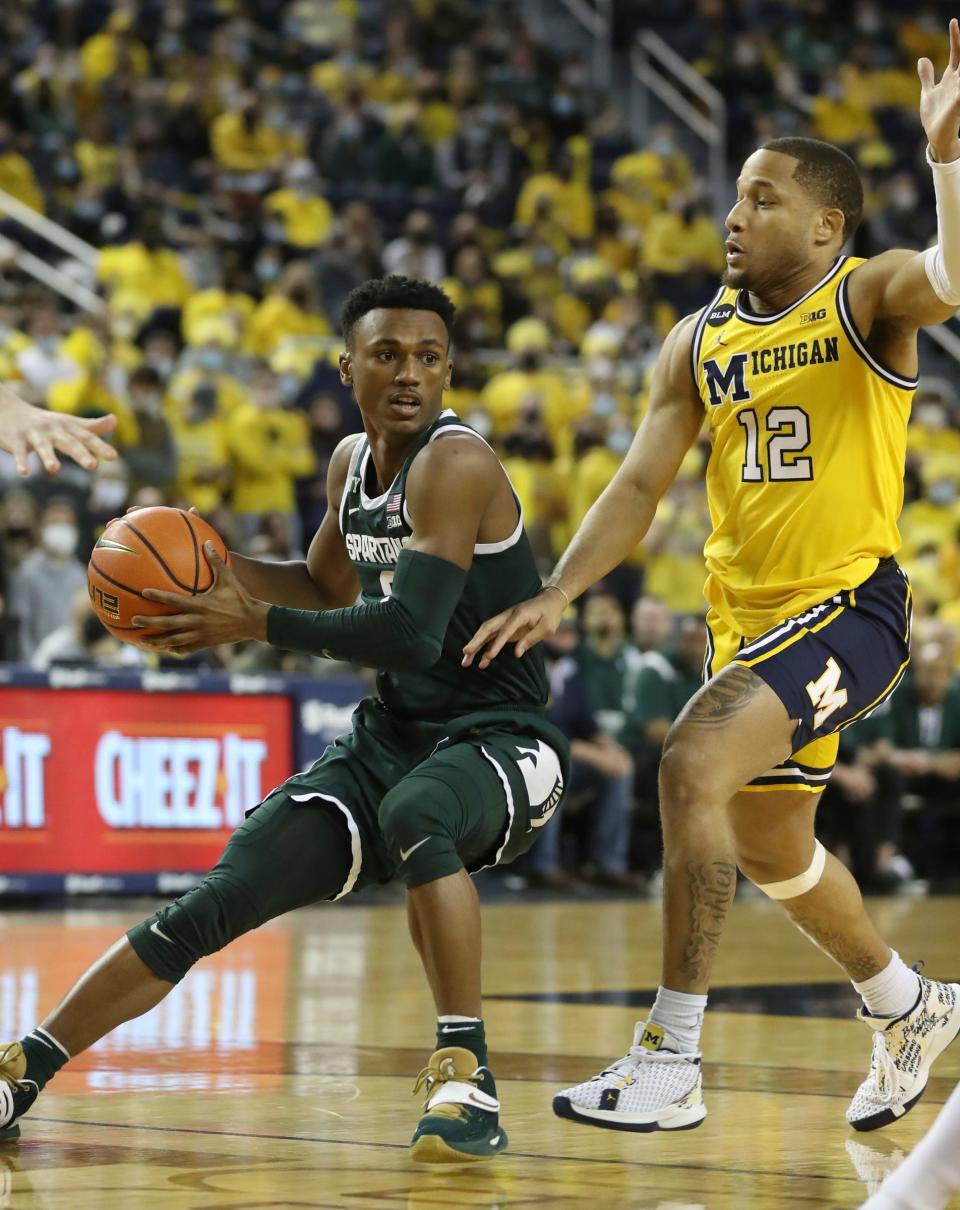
809,436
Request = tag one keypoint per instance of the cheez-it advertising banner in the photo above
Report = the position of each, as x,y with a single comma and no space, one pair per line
113,781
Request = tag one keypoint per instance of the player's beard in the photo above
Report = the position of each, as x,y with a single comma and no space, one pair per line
736,279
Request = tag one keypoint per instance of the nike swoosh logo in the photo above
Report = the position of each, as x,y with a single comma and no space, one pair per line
453,1029
109,544
351,511
413,848
155,928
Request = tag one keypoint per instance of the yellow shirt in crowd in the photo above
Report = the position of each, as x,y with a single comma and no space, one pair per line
270,448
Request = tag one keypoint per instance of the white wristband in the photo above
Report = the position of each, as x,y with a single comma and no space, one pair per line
944,167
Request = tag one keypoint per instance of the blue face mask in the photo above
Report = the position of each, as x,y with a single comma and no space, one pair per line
210,359
943,492
603,405
90,211
267,270
288,387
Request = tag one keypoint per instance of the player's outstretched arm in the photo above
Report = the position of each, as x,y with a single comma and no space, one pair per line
917,289
621,516
25,429
326,580
449,489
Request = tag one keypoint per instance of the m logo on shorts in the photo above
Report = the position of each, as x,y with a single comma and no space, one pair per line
543,778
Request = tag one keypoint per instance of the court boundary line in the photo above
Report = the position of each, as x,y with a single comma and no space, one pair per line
522,1155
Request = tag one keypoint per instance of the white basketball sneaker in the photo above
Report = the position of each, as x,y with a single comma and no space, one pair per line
652,1087
904,1050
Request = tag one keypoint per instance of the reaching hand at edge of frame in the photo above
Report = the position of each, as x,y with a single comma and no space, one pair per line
25,428
940,101
524,625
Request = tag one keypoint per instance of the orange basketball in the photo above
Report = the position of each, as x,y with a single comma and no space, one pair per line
149,548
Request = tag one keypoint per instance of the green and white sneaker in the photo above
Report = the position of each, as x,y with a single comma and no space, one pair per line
461,1117
16,1093
904,1050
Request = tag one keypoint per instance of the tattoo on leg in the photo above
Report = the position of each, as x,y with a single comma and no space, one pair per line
711,888
727,695
859,963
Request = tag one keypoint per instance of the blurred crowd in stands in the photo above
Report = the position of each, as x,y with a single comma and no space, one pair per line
237,166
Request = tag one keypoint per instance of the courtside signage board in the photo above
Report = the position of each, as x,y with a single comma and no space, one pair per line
111,789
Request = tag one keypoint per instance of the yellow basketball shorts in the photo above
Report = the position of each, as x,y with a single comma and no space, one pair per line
831,665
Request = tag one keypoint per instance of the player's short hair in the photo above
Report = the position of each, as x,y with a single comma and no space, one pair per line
828,174
395,292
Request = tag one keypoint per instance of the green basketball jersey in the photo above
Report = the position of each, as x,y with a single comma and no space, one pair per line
376,527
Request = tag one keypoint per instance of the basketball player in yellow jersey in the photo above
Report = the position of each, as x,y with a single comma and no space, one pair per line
803,366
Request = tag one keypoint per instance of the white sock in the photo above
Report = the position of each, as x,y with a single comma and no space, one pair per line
681,1014
893,992
930,1175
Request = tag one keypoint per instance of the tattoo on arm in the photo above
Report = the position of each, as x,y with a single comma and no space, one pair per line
724,697
711,888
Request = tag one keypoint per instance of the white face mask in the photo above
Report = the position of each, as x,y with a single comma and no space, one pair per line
60,539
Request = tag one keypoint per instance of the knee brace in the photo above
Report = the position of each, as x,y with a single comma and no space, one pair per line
199,923
790,888
418,823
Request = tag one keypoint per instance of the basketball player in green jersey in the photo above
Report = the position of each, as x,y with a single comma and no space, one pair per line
447,770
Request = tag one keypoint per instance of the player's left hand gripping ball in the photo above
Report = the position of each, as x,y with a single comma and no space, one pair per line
225,613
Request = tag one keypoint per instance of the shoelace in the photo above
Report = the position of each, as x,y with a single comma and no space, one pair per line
432,1076
883,1070
8,1079
635,1057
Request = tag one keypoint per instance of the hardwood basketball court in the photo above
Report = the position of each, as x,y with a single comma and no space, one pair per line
279,1074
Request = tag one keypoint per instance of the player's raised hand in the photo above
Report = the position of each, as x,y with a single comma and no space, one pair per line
524,625
25,429
940,102
225,613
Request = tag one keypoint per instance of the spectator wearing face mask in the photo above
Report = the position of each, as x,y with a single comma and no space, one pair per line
530,383
304,217
932,520
152,462
416,253
244,146
44,585
570,199
227,301
203,459
101,54
293,311
144,268
209,363
270,449
42,362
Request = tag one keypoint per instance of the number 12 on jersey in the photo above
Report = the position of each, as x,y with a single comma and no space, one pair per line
788,434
